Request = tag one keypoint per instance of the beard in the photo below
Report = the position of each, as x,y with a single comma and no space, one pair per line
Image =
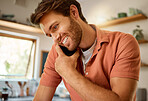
76,34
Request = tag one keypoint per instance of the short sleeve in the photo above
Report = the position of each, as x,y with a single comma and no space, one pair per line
127,59
50,77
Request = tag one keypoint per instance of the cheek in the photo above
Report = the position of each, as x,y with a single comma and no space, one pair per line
63,27
76,33
63,31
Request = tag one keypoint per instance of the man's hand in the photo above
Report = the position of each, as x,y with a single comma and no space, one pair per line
64,64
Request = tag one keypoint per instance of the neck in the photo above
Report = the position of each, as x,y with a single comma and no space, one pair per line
88,37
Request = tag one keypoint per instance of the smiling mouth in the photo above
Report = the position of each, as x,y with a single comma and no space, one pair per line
65,40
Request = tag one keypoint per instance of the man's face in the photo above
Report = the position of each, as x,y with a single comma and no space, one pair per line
64,30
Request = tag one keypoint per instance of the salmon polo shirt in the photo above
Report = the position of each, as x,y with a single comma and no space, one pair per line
116,54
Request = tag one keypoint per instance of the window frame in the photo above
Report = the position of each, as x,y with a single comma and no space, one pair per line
23,37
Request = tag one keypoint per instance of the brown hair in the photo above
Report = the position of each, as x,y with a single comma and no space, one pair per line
59,6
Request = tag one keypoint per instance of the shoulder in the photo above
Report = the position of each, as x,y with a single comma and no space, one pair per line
52,54
120,38
119,35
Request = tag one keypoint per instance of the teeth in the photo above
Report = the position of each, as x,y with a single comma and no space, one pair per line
65,40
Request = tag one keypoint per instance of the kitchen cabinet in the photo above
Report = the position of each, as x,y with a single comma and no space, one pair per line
123,20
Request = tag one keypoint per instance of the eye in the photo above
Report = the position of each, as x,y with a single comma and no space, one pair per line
55,27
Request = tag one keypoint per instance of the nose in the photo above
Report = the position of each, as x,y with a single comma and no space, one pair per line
56,37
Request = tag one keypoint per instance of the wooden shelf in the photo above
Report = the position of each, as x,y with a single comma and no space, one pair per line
18,26
144,65
123,20
142,41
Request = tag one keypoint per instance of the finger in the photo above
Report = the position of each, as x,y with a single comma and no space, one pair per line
76,54
59,50
56,42
55,39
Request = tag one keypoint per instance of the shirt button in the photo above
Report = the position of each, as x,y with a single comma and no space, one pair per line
86,73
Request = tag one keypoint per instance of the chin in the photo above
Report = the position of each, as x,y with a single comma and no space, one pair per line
72,48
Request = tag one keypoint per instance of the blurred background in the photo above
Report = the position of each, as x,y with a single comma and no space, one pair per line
24,48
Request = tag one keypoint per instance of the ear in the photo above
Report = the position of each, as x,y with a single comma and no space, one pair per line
74,13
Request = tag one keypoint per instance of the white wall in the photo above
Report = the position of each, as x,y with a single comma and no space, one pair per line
45,44
21,12
95,9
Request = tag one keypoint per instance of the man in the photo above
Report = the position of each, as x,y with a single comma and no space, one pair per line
105,66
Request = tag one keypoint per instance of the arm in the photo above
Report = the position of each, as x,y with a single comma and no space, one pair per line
44,93
50,79
123,89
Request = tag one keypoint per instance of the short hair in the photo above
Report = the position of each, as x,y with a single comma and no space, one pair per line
59,6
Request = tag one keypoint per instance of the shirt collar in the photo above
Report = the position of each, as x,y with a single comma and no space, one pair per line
88,53
102,37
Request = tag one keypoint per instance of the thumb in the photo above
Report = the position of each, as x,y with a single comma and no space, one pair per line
59,50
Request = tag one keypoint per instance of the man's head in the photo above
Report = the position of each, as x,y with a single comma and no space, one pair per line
61,19
58,6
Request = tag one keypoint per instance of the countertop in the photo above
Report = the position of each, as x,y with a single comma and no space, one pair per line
30,98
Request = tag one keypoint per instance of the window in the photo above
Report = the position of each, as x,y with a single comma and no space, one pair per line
16,57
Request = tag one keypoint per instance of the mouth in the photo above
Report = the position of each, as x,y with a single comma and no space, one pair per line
64,40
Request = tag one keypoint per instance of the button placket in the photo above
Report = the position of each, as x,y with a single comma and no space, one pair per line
87,69
86,73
